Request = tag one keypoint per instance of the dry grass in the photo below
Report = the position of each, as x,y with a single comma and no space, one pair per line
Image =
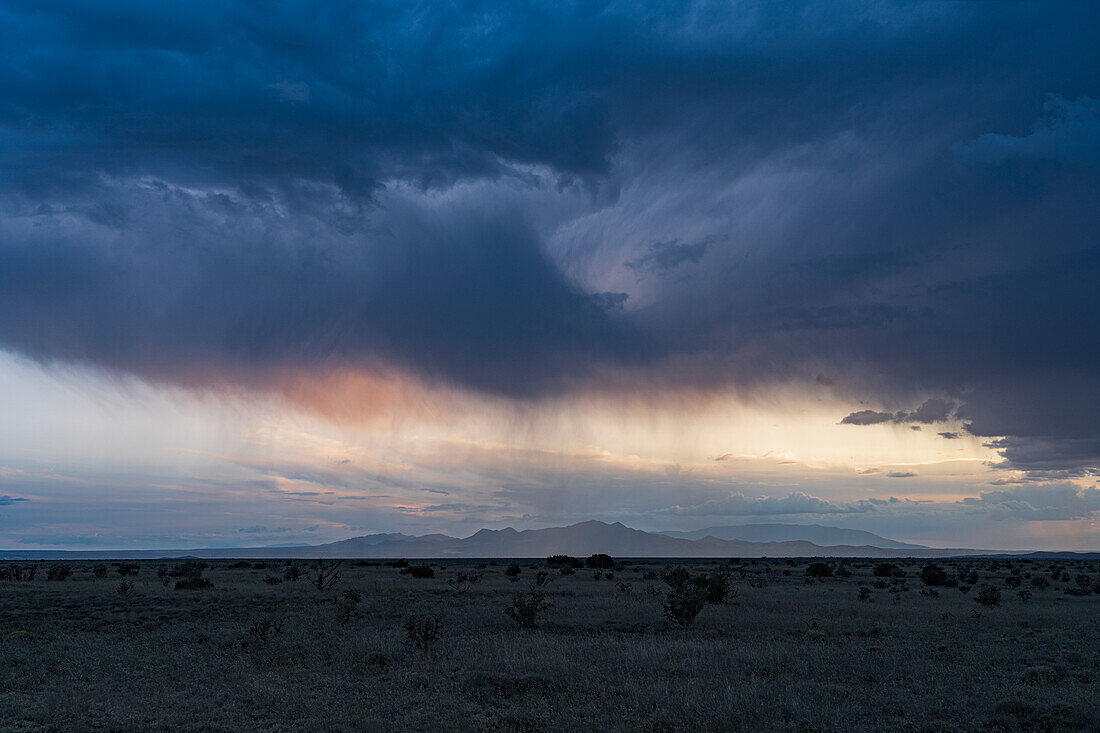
789,656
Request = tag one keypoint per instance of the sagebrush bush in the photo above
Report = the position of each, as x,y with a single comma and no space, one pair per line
599,561
933,575
819,570
188,569
513,570
564,561
193,584
419,571
989,596
58,572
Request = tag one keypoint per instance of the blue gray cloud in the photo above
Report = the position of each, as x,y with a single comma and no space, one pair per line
900,195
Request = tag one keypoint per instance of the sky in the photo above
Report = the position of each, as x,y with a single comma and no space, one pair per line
277,273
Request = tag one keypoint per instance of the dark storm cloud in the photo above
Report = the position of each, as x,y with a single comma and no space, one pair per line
899,196
931,411
664,256
867,417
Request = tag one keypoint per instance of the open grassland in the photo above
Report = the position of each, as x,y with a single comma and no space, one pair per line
783,650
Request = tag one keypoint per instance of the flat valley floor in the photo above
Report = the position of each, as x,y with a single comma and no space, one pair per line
784,651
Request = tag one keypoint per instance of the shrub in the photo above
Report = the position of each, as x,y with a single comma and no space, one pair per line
126,568
933,575
513,570
347,605
600,561
125,588
461,581
265,629
323,575
188,569
293,570
193,584
718,584
240,565
272,579
989,596
525,608
402,563
542,578
422,631
100,571
1024,595
58,572
624,587
884,569
819,570
419,571
683,603
564,561
677,577
865,594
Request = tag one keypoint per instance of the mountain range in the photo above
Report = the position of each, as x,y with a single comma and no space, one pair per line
582,539
815,533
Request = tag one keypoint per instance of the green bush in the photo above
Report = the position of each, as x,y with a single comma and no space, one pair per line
193,584
564,561
989,596
933,575
600,561
58,572
819,570
419,571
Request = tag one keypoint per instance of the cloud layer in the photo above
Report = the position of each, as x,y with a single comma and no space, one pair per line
531,199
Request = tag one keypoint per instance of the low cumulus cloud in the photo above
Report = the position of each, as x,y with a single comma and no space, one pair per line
1039,502
793,503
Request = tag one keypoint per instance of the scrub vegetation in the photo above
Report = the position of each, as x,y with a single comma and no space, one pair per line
772,645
